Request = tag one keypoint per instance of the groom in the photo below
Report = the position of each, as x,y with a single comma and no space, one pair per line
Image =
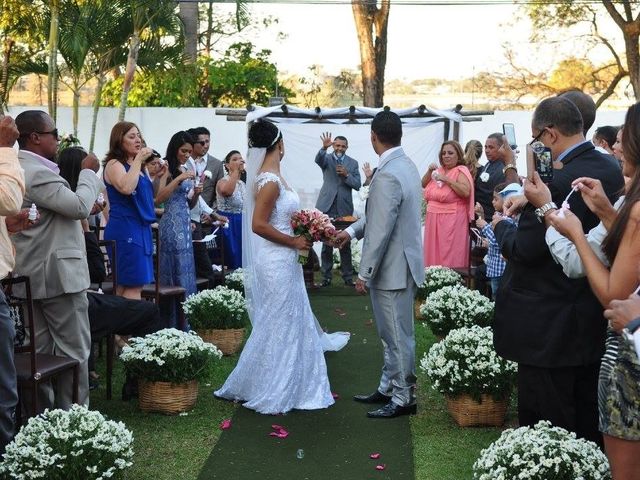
391,264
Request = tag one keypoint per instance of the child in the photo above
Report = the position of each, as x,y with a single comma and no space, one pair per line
494,260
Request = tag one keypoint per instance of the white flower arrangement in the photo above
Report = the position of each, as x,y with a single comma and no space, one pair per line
356,255
220,308
235,280
456,307
465,362
436,277
484,176
541,452
363,193
60,445
168,355
207,174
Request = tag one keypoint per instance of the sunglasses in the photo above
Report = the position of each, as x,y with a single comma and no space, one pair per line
53,132
201,142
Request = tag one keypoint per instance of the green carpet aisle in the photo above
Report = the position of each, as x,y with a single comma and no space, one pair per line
336,442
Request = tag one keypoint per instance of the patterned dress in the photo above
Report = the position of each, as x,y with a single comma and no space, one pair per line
231,207
177,265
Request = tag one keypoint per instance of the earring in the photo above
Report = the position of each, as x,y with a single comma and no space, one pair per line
280,152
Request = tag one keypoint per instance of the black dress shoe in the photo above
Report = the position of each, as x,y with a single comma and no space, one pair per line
375,397
349,283
326,283
392,410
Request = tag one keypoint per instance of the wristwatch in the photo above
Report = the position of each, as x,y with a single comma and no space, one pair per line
507,167
632,327
543,210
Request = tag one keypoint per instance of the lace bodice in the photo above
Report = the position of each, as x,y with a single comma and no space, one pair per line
286,204
234,202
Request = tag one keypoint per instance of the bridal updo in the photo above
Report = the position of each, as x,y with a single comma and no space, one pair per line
264,134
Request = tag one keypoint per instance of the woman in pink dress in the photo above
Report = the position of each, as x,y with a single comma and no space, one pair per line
448,191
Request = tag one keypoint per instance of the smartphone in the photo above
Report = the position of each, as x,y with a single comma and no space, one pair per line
510,132
544,165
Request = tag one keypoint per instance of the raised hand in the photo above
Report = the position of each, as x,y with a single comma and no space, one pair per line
8,131
366,169
326,140
143,154
593,195
536,191
514,204
91,162
566,222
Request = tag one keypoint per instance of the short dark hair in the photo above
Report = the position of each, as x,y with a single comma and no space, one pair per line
607,133
586,106
340,137
264,134
497,136
28,122
499,187
559,112
388,127
194,132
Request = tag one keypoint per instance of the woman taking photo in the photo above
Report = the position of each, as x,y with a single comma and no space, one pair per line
230,192
179,194
131,211
448,191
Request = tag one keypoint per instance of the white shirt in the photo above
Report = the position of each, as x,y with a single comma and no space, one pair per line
198,165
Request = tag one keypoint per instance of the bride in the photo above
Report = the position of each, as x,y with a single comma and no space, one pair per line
282,366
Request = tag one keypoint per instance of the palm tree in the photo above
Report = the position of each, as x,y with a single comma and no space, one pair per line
52,84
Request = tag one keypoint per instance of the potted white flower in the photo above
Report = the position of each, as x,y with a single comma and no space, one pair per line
475,380
60,445
235,280
435,277
219,316
168,364
541,452
455,307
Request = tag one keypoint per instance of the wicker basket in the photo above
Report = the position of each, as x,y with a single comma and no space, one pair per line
467,412
165,397
228,341
416,309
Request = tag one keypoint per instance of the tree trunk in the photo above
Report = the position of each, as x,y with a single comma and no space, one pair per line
4,75
633,62
76,107
209,29
52,80
371,27
132,61
96,108
190,18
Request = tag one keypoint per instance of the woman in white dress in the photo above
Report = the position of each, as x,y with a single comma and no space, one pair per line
282,366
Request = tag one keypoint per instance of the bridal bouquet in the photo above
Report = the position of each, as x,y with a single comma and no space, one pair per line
314,225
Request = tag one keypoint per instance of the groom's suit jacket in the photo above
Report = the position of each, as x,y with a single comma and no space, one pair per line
392,249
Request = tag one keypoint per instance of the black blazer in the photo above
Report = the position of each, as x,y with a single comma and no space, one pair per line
543,318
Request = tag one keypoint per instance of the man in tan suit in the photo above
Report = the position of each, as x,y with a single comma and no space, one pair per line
52,253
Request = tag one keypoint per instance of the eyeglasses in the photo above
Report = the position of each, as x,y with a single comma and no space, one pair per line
53,132
537,137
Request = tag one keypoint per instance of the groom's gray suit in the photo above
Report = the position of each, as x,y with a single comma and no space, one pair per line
392,266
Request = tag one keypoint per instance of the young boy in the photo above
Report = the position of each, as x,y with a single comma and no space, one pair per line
494,261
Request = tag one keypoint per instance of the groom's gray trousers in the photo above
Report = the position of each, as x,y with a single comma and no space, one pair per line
393,312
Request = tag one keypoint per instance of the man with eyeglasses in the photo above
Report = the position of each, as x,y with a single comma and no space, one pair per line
52,253
551,325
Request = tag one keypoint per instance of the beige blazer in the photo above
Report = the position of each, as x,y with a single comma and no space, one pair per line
52,253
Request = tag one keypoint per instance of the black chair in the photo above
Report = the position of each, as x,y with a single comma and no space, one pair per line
476,254
156,292
33,368
215,249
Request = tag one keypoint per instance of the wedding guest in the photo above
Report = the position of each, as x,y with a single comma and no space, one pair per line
230,192
448,191
179,194
131,211
202,162
538,307
52,256
604,137
340,176
472,154
490,174
11,194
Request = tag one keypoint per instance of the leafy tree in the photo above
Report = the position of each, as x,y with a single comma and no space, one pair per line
548,15
320,89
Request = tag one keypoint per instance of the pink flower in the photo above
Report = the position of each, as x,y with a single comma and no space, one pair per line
382,466
374,456
225,424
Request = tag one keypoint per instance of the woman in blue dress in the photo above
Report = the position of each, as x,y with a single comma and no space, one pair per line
179,193
230,192
131,209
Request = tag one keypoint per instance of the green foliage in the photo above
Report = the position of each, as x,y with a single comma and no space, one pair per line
240,78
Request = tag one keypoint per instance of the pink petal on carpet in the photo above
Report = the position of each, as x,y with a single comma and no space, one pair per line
335,396
284,434
375,456
382,466
226,424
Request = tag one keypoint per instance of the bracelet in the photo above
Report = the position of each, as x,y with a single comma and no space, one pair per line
507,167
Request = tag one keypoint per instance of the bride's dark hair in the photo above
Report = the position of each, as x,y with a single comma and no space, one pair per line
264,134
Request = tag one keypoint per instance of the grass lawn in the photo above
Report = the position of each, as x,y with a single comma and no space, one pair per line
169,448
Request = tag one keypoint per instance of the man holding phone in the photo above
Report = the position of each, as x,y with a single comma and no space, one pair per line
551,325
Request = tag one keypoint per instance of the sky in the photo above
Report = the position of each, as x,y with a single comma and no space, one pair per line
423,41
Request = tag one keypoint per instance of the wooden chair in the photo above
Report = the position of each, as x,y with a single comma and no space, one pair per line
155,292
468,272
33,368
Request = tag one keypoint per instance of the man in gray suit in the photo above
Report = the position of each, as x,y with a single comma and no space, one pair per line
52,253
391,264
202,162
340,177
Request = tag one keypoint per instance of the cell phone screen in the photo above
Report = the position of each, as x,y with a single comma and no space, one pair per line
510,132
544,165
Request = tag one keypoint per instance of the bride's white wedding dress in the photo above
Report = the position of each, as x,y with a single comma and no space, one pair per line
282,365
